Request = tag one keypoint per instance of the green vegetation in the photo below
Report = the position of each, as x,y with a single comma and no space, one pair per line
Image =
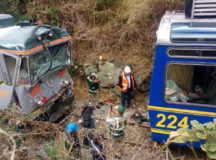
110,27
105,4
56,151
2,82
54,14
203,133
74,68
17,8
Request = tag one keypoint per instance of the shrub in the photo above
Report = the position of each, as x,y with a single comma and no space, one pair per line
197,133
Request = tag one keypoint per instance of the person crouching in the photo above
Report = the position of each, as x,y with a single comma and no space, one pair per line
72,139
97,148
116,122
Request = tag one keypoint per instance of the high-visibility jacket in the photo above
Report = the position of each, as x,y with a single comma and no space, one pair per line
123,86
93,87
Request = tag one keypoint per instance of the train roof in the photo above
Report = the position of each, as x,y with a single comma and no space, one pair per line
23,40
174,28
6,20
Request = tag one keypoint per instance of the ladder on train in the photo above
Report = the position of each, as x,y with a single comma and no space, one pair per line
203,9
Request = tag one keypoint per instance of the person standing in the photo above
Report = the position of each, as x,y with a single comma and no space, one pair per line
126,85
93,87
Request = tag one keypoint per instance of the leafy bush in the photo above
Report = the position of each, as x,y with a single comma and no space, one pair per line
74,68
198,132
53,15
16,8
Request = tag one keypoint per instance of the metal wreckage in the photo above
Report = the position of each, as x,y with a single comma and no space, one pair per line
33,68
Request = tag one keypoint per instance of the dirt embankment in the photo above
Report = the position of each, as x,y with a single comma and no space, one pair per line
121,30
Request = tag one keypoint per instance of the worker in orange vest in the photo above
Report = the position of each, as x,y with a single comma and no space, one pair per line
126,85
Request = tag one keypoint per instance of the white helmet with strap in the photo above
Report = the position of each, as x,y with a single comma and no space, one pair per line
127,69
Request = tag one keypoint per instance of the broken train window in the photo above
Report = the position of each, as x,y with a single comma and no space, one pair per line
190,83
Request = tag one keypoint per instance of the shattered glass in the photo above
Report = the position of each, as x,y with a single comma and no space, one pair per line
60,55
39,65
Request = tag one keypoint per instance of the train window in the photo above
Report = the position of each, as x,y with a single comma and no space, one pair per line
39,65
192,53
195,32
11,66
60,55
23,74
195,84
1,75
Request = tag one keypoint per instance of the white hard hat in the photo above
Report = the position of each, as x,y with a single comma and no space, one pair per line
127,69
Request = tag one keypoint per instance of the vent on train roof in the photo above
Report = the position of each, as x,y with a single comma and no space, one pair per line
200,8
204,8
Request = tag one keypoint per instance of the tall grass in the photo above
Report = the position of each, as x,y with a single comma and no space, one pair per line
105,26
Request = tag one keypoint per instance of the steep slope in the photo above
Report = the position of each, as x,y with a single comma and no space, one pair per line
122,30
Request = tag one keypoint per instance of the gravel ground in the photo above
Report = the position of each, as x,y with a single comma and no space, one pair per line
136,144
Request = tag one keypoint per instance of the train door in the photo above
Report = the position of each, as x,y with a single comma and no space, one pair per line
8,72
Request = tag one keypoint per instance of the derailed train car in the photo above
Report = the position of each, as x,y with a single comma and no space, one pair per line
33,68
183,84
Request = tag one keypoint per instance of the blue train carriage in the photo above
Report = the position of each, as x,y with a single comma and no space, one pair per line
183,85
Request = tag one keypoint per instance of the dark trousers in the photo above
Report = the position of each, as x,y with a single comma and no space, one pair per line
126,95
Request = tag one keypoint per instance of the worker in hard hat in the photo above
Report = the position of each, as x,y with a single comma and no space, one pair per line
93,88
116,121
126,85
72,139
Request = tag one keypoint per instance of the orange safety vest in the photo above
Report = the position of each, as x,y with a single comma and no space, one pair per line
125,83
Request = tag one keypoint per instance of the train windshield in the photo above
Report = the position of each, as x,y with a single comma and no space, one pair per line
190,83
60,55
41,63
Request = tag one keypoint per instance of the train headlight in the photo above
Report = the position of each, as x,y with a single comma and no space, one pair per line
39,38
39,101
50,33
64,83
